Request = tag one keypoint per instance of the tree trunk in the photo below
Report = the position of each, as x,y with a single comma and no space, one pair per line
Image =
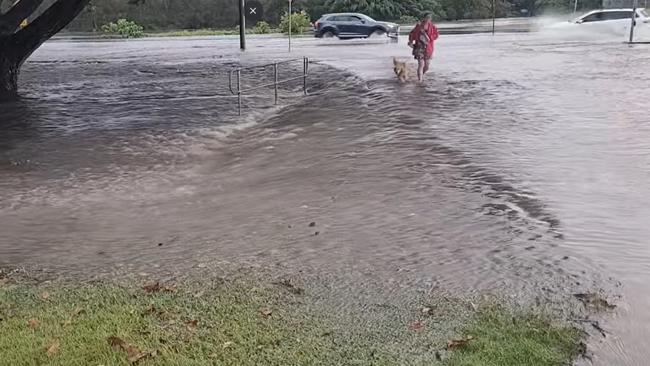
8,78
18,43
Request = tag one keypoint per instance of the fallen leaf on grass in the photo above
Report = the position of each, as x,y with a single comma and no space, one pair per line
133,354
192,324
459,343
416,326
150,310
33,323
266,312
75,313
152,287
157,287
116,343
53,348
45,296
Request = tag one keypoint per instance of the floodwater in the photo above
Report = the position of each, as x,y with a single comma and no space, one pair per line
520,167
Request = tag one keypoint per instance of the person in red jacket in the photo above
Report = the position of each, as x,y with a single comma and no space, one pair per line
421,40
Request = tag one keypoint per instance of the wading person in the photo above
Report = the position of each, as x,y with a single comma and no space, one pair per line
421,40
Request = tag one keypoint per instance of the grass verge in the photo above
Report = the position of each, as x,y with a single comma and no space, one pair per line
242,324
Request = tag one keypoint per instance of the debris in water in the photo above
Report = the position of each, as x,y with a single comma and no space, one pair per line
594,301
312,224
595,324
290,286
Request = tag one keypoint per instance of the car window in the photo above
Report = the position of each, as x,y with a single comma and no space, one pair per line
595,17
643,12
355,19
616,15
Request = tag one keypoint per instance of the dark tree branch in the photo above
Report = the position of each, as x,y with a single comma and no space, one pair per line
10,21
55,18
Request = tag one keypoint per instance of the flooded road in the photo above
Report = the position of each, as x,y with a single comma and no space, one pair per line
521,167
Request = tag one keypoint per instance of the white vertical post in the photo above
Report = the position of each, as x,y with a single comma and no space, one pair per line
633,22
575,7
289,25
494,15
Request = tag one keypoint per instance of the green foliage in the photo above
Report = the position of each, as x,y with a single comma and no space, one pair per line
299,22
407,19
223,14
262,27
124,28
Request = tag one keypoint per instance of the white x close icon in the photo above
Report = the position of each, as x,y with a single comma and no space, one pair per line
253,11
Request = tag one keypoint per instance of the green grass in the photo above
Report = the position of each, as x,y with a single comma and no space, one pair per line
229,325
502,338
203,32
194,33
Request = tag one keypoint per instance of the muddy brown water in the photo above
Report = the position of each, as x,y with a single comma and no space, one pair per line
520,167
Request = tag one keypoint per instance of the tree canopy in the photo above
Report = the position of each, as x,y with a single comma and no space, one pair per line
195,14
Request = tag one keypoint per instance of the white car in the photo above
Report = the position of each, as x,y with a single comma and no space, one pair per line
618,20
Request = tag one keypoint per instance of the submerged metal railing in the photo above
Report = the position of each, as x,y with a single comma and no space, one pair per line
237,73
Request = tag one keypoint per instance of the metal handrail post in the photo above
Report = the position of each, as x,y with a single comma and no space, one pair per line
275,73
305,66
239,90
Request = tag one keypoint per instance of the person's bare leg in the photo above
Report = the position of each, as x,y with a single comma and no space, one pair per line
427,63
421,64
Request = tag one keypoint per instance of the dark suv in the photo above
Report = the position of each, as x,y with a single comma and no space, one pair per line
352,25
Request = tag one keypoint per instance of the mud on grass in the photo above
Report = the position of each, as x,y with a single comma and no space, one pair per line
245,324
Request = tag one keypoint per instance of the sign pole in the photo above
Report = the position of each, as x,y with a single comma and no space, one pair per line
633,23
575,7
289,26
242,25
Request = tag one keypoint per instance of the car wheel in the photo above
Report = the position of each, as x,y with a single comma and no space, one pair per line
377,32
328,34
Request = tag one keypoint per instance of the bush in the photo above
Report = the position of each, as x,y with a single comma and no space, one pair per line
299,22
124,28
407,19
262,27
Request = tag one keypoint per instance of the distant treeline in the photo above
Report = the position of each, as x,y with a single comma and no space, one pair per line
197,14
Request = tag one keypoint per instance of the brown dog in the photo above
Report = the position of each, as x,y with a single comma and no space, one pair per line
401,70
